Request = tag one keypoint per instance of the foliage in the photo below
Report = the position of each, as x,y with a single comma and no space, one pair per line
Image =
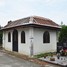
1,35
63,34
44,55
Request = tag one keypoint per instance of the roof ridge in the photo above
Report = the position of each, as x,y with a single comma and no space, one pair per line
47,19
32,20
41,18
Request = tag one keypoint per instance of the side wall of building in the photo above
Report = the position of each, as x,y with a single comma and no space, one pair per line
7,45
23,48
39,46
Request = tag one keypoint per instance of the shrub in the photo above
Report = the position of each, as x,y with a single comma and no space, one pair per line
44,55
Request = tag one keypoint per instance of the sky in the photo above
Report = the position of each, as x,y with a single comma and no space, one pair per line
55,10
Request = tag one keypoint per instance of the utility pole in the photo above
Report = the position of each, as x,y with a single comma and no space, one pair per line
61,23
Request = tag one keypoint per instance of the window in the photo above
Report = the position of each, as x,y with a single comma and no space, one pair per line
46,37
22,37
9,37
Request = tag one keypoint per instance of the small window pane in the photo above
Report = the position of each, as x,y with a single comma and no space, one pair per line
46,37
22,37
9,37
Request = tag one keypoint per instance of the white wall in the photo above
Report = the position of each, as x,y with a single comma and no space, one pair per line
39,46
7,45
23,48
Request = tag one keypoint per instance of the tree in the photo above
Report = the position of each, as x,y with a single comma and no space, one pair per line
63,34
1,34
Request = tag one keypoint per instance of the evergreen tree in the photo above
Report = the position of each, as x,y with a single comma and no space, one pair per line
63,34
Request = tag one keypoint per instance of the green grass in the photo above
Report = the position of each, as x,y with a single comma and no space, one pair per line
44,54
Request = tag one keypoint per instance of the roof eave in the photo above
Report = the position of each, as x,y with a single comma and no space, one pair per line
33,24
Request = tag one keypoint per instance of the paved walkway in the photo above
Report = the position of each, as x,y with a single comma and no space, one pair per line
11,61
7,60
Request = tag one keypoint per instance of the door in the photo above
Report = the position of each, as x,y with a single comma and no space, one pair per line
15,40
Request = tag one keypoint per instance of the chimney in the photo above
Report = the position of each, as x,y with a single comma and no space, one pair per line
9,21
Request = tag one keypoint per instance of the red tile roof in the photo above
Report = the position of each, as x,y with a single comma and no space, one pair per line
34,19
42,20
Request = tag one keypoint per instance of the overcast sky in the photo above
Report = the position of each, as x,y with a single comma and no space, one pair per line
17,9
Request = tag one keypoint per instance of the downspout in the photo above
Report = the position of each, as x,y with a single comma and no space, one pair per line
31,47
31,38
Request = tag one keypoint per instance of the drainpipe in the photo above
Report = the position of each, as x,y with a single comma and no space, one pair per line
31,37
31,47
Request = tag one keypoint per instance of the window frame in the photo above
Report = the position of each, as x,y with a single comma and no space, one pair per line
46,37
23,39
9,37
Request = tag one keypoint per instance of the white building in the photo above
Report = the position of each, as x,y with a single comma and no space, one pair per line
31,35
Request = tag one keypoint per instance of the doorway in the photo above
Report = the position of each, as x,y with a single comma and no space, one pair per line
15,40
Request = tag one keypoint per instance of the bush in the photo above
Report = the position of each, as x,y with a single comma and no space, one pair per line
1,35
